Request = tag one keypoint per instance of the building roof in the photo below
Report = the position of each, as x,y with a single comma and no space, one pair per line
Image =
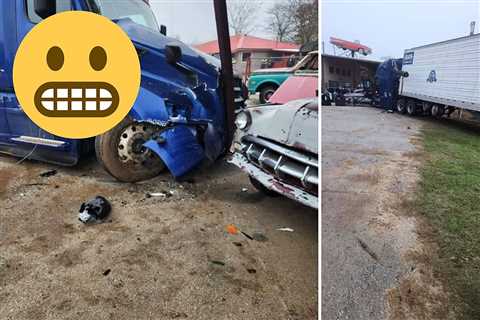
244,42
351,59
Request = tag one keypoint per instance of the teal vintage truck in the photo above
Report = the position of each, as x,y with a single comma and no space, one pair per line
267,81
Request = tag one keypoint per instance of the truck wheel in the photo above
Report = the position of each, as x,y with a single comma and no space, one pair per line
260,187
426,107
437,110
401,106
122,154
266,93
411,107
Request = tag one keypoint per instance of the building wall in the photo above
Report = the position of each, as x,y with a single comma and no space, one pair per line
346,72
256,59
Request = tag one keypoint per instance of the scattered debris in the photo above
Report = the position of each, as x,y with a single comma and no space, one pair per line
48,173
94,210
238,244
285,229
247,235
220,263
35,184
256,236
107,272
244,189
163,194
232,229
251,270
259,237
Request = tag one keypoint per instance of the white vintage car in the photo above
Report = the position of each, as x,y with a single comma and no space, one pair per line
277,146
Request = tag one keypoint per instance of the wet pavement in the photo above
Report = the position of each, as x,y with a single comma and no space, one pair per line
368,169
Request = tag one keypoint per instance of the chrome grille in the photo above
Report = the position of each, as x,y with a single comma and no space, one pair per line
291,166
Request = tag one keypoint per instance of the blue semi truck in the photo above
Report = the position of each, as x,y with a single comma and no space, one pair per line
179,120
434,79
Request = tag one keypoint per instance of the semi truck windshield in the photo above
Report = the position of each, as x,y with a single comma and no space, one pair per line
136,10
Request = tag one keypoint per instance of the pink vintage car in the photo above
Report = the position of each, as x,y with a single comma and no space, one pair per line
299,86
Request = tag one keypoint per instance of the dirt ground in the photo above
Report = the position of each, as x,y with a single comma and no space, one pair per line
155,258
375,263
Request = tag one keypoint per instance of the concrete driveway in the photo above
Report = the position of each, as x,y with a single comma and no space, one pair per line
369,171
155,258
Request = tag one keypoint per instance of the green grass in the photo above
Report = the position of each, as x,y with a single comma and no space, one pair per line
449,196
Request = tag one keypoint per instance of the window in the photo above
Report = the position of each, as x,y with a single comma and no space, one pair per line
46,9
246,56
344,73
331,69
136,10
349,73
338,71
333,84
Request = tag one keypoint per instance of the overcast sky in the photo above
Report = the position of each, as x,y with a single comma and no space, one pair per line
194,20
389,27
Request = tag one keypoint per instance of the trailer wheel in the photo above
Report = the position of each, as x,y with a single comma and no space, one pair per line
411,107
426,107
121,152
437,110
401,106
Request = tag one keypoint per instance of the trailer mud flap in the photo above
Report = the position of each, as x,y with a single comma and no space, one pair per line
179,150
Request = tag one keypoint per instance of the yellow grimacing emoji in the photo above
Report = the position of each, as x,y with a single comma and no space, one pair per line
76,74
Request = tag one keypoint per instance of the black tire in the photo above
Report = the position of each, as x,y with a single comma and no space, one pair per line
260,187
401,108
411,107
106,150
437,110
266,92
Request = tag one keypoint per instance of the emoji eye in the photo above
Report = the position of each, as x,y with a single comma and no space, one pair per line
98,58
55,58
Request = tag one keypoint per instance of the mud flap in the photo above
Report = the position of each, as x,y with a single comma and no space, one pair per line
178,149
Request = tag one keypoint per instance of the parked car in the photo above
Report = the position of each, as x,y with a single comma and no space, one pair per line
267,81
177,121
277,146
299,86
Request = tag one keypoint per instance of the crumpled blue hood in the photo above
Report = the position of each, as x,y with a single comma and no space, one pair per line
208,68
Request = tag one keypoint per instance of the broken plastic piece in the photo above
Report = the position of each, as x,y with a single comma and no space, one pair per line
94,210
232,229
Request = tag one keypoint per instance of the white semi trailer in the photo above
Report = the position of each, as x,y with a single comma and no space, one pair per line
441,77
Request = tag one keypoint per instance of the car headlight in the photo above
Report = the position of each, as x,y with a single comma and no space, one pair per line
243,120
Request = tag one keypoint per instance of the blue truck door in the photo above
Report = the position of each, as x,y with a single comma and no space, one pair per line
18,132
8,42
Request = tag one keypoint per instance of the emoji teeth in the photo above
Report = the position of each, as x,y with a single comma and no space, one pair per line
75,99
48,93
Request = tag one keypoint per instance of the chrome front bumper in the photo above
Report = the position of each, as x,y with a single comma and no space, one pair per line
274,184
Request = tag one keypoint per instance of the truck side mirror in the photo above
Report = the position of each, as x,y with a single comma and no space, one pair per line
173,54
163,30
45,8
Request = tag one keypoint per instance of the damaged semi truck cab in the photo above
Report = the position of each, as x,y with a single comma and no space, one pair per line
177,121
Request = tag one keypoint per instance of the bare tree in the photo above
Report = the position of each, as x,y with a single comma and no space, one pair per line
241,15
306,21
281,21
295,20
